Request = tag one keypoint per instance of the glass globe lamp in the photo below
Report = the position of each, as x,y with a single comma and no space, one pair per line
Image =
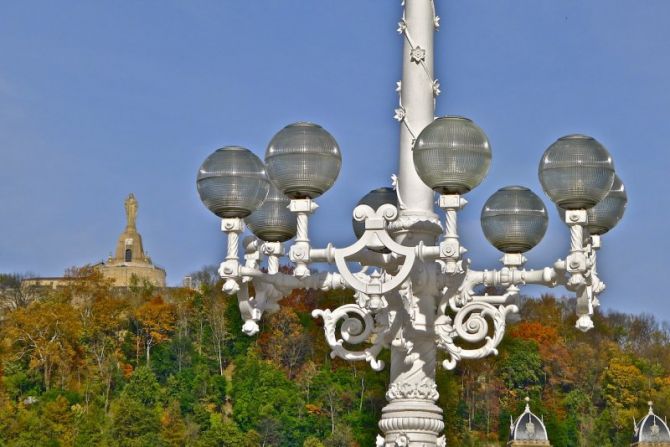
303,160
272,221
374,199
608,212
232,182
514,219
452,155
576,172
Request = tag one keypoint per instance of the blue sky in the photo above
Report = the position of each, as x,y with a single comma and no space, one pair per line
100,99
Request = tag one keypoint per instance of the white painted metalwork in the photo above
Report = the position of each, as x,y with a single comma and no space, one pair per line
415,292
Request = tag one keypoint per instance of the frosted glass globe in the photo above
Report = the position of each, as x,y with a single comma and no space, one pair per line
232,182
608,212
273,221
576,172
303,160
514,219
452,155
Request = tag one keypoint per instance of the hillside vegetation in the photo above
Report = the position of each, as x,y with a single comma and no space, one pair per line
91,365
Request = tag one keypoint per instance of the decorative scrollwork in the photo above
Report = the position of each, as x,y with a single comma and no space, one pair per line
358,326
472,325
375,235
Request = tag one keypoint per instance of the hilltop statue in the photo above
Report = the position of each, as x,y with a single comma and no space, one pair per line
127,266
130,263
131,210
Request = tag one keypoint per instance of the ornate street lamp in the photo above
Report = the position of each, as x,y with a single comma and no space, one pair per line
415,292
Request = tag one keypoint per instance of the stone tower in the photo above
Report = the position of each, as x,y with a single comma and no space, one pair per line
528,430
651,431
130,263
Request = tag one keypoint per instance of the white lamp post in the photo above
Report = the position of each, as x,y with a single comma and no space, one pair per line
420,296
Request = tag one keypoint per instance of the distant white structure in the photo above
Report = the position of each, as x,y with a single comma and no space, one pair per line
651,431
528,430
187,282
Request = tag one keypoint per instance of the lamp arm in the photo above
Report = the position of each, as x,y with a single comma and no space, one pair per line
505,277
320,280
480,320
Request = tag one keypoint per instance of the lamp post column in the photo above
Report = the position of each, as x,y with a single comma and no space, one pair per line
411,417
416,110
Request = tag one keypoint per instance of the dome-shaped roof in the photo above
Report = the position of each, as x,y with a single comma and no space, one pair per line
528,427
651,429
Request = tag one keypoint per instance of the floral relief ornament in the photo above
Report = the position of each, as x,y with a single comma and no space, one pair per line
402,441
418,55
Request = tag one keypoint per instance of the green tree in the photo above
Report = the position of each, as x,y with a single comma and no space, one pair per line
266,401
143,387
134,423
174,431
520,365
227,434
341,437
312,442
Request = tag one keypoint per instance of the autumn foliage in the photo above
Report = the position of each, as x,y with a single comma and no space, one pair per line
93,365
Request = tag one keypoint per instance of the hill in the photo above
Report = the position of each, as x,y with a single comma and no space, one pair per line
89,364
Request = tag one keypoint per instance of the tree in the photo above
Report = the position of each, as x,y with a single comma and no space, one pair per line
103,317
47,333
136,414
156,320
226,434
334,392
93,428
342,437
553,350
143,387
622,391
264,400
134,424
184,311
306,377
173,427
218,324
285,341
520,365
12,295
59,420
312,442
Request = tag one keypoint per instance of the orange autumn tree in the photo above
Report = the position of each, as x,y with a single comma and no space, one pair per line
104,317
553,350
47,333
285,341
155,321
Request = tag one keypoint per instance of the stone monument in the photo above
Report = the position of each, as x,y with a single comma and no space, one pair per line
130,264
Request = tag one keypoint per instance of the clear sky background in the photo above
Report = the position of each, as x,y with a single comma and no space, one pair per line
100,99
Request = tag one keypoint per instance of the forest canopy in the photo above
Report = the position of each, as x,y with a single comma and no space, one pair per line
93,365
